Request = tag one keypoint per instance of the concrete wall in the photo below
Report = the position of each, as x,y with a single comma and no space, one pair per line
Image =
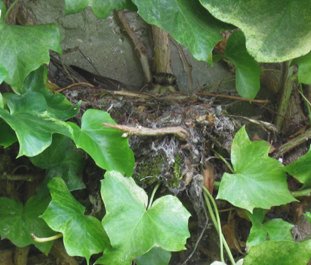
100,47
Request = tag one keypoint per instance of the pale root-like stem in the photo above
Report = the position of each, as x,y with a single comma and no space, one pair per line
178,131
46,239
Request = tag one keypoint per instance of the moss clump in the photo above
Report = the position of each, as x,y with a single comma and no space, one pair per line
177,172
149,170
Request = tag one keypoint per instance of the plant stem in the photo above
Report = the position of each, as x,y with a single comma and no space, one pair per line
216,220
21,255
46,239
289,80
138,45
178,131
301,193
300,139
224,160
307,104
10,10
208,197
152,195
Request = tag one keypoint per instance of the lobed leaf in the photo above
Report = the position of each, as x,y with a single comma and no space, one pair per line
279,252
75,6
247,76
62,159
301,169
134,230
7,136
101,8
83,235
32,122
275,229
304,68
106,146
258,181
155,256
18,221
275,31
24,49
57,104
187,22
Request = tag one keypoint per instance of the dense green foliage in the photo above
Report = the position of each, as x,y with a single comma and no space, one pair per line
135,227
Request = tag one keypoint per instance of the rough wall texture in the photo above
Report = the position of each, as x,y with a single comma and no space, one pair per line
99,46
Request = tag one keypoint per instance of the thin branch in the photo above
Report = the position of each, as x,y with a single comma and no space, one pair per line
300,139
126,93
138,45
74,85
186,65
257,101
178,131
196,243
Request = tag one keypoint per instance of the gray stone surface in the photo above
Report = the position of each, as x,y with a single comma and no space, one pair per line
100,47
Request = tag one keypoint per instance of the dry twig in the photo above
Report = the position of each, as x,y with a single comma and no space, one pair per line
138,45
74,85
300,139
178,131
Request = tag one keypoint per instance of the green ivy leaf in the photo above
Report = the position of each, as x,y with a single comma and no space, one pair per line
247,77
156,256
275,31
75,6
304,68
83,235
106,146
24,49
101,8
2,11
18,221
132,229
57,104
301,169
7,135
275,229
32,123
187,22
279,252
308,216
62,159
2,104
258,181
36,81
3,74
